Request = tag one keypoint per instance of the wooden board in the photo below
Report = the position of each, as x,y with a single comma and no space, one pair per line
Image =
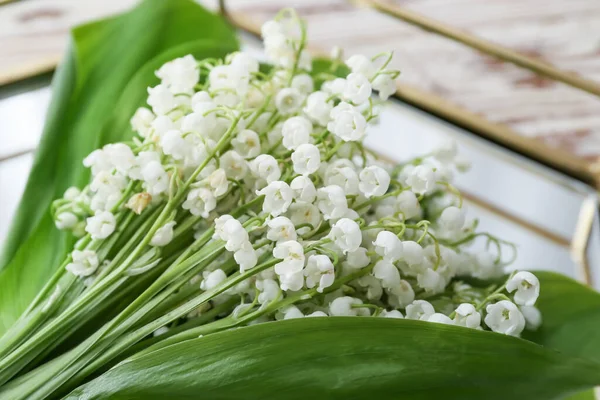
33,34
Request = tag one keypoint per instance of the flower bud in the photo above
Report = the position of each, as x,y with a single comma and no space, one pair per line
138,202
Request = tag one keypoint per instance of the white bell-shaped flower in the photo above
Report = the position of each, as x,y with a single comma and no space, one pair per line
84,263
419,309
278,197
301,213
342,174
486,266
401,295
163,235
289,101
358,258
361,64
389,246
440,318
101,225
66,220
319,272
212,279
180,75
533,317
358,88
245,61
346,234
161,125
304,189
527,286
317,107
304,83
174,145
292,312
373,287
296,131
98,161
293,281
281,229
347,123
306,159
384,85
141,160
107,183
421,179
265,167
247,143
412,253
467,315
292,254
200,201
246,257
374,181
430,280
234,165
408,204
332,202
505,317
387,273
269,290
452,219
120,156
234,234
317,314
218,182
391,314
334,87
141,122
219,223
155,178
342,307
161,99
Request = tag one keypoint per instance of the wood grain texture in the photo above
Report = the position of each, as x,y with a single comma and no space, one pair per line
565,33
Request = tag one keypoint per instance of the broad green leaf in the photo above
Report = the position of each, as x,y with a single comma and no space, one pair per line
347,358
321,67
86,113
571,317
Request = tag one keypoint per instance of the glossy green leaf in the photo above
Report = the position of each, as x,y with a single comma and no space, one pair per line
571,319
89,108
571,316
347,358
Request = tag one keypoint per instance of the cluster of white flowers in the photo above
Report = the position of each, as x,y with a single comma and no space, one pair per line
270,162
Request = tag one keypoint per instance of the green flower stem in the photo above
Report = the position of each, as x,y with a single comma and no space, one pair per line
35,316
91,349
99,290
375,199
26,353
170,337
231,322
182,268
52,297
259,112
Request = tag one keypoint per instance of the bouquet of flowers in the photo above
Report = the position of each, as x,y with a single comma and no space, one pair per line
246,198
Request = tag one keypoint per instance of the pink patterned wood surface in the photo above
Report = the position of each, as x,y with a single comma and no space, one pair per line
565,33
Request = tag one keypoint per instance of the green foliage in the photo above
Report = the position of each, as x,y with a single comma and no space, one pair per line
100,83
347,358
571,317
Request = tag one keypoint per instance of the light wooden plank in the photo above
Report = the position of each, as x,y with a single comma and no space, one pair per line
564,33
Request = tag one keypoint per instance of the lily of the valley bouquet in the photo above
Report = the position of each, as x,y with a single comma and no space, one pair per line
247,198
